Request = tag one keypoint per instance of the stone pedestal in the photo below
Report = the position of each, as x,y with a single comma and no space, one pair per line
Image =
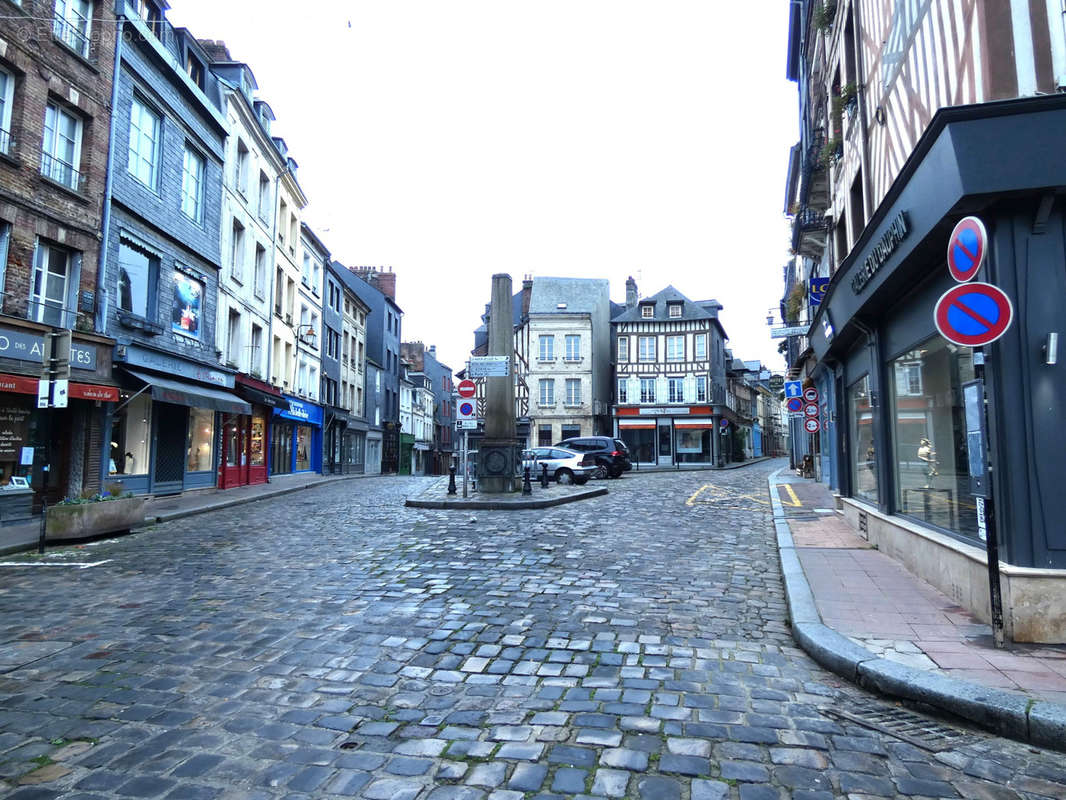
499,466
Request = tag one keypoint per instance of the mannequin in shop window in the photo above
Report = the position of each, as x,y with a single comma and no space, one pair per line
927,455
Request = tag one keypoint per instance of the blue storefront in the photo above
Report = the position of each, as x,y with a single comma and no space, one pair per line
296,437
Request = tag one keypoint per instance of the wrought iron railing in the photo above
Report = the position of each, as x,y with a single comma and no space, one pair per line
60,171
68,34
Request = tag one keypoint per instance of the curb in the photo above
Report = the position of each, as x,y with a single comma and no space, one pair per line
459,504
1013,715
229,502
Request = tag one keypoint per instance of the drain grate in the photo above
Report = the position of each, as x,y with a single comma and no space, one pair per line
905,725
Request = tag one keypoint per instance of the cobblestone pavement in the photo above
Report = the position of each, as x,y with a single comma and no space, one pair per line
332,643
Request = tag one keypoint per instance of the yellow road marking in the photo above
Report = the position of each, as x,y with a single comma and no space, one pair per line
795,500
692,499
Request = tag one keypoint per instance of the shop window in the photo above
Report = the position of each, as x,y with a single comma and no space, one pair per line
131,438
303,447
200,440
641,443
18,433
929,435
570,432
187,306
693,445
544,435
863,441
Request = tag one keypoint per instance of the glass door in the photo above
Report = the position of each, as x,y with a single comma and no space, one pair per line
666,443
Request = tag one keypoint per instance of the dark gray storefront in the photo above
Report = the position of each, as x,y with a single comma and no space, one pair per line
899,447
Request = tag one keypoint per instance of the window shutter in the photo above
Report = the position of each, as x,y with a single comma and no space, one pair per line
690,388
633,389
660,389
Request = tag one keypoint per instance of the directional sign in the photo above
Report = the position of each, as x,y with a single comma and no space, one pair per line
810,410
810,394
967,248
795,404
490,367
793,389
973,314
466,388
466,424
811,425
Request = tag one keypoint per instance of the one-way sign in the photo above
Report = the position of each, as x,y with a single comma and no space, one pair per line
793,389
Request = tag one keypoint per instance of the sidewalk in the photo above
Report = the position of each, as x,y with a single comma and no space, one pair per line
863,615
637,469
24,536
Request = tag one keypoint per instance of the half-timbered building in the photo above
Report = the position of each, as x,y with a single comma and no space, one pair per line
670,368
914,115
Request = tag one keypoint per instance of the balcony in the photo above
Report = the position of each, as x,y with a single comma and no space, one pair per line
61,172
6,142
809,232
814,185
71,36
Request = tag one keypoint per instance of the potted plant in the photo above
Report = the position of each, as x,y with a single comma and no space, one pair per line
797,295
833,150
92,514
849,99
824,13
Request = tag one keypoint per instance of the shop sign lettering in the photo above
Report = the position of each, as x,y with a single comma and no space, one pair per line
884,248
137,357
298,410
28,347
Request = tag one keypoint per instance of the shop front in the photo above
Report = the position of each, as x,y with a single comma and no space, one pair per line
246,437
407,447
296,437
353,447
898,439
667,435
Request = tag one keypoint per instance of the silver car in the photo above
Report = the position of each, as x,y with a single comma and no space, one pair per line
564,466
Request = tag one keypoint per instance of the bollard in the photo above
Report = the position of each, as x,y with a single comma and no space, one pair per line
544,476
451,480
44,527
527,487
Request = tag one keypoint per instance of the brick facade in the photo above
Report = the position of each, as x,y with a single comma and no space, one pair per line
46,71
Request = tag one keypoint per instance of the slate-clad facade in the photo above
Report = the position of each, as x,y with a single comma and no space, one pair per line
160,281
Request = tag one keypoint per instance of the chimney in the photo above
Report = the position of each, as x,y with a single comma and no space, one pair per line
527,293
216,51
433,350
385,282
631,292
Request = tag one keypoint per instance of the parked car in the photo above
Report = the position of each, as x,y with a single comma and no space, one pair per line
564,466
611,456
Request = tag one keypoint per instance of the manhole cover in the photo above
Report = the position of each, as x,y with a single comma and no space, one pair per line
904,725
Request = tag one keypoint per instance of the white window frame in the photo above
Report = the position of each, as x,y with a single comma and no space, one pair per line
699,346
136,159
260,271
573,391
546,348
623,349
7,97
236,250
647,390
674,310
623,390
68,22
5,245
647,311
39,303
572,347
675,390
675,348
701,388
547,392
646,353
52,166
240,167
192,184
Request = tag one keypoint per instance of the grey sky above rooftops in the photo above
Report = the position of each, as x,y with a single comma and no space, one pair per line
594,139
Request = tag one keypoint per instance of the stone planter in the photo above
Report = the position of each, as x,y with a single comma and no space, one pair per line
84,520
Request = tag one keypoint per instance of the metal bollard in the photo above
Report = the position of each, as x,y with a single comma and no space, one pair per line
544,476
527,487
451,479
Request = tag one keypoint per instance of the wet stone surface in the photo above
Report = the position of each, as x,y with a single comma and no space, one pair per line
332,643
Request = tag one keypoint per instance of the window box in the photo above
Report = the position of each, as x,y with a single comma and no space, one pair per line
149,328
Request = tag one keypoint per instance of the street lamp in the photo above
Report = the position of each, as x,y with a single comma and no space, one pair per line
304,333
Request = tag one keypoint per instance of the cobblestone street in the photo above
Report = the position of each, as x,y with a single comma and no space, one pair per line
332,643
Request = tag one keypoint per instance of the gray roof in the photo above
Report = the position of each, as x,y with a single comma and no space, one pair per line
706,309
580,295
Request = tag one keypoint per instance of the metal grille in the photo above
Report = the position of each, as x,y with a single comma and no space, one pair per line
170,443
904,725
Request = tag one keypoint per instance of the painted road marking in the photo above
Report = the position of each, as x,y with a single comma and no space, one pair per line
795,502
78,564
720,494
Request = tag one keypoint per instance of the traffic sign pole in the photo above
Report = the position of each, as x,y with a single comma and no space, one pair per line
986,515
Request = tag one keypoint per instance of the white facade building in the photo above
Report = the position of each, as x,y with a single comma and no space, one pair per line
309,335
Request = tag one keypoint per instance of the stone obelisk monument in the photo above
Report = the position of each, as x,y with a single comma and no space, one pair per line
500,453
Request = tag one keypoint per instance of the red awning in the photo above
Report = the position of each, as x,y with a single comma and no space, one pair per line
18,383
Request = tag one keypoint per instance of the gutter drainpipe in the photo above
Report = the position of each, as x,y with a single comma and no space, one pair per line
100,322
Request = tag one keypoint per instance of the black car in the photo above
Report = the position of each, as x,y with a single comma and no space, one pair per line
612,455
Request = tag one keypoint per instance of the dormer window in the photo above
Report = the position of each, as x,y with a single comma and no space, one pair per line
674,310
647,311
150,13
195,70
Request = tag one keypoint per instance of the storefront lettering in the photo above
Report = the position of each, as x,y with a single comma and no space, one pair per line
137,357
884,248
27,347
14,426
298,410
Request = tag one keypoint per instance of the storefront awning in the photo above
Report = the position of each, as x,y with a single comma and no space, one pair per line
166,390
630,425
699,424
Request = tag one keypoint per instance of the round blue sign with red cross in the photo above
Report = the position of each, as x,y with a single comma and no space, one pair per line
795,404
973,314
967,248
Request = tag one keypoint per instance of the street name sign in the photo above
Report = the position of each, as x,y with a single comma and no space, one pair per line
490,367
784,333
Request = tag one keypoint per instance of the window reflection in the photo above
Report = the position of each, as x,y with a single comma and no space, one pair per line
929,436
864,455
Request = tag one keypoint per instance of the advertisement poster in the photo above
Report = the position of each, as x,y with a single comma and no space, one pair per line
14,427
185,316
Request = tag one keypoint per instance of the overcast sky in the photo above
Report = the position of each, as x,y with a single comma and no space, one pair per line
453,139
